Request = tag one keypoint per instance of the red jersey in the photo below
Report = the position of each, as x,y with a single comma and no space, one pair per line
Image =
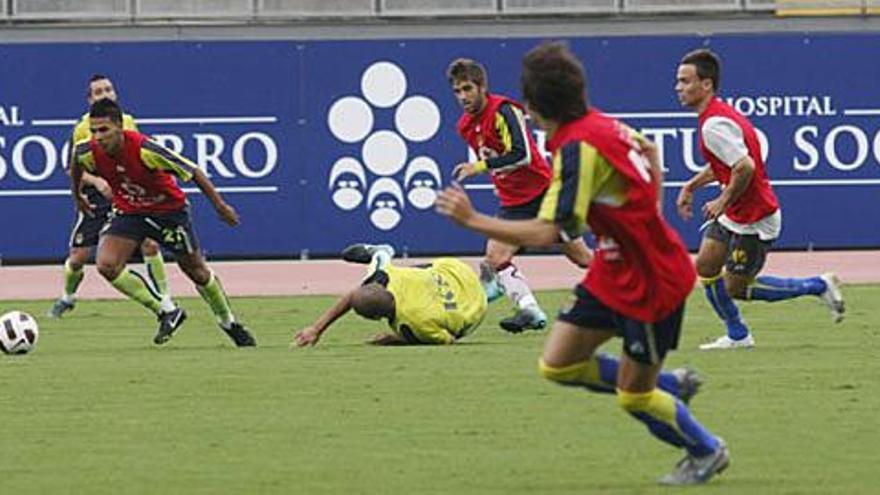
758,199
500,138
142,180
641,268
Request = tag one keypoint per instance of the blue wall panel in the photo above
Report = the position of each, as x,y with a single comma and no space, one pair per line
322,143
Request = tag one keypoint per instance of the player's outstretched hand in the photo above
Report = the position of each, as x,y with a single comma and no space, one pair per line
307,336
684,203
454,203
228,214
463,170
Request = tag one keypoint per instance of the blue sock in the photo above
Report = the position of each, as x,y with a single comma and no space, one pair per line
609,364
669,420
771,289
724,307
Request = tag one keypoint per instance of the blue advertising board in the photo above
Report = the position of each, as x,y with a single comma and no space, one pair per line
322,143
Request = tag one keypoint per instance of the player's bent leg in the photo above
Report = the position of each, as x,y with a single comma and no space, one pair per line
670,421
155,266
711,257
113,253
826,287
578,252
710,261
73,277
529,315
209,287
570,358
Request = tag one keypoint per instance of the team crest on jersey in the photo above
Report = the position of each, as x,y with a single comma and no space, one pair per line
380,177
739,256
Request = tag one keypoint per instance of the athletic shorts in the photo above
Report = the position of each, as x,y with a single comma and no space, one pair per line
646,343
88,227
746,254
524,211
174,230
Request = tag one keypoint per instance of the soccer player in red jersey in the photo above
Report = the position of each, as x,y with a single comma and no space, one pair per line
147,202
84,236
608,178
495,129
742,221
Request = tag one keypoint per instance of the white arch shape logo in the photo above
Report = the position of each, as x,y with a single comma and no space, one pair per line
385,214
422,193
346,194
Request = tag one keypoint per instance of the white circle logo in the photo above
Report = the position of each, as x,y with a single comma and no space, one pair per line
374,179
417,118
384,153
383,84
350,119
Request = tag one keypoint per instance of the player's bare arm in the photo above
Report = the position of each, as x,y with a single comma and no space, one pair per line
685,200
740,177
386,339
653,156
76,182
227,213
454,203
311,334
98,183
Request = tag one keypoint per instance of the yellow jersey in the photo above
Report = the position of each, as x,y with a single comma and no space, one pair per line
437,304
82,132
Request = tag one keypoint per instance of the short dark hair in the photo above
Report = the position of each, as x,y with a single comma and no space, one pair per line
373,301
93,78
465,69
554,82
106,108
707,63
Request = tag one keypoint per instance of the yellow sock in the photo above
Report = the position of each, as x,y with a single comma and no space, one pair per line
135,287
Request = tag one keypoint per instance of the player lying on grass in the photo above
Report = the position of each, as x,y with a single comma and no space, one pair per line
442,302
437,303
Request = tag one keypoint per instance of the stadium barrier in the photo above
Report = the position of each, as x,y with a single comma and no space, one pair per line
322,143
248,11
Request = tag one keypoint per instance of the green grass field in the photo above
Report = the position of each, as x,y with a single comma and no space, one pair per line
98,409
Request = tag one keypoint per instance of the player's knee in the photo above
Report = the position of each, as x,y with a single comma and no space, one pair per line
149,247
736,290
200,275
195,268
76,260
109,270
497,260
633,402
708,268
562,375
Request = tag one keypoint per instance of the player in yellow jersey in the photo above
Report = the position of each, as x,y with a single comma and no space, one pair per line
437,303
84,236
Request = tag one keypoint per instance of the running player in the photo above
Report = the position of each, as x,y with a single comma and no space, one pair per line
742,221
147,202
608,178
495,129
84,236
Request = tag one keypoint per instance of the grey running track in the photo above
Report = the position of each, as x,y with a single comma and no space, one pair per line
289,278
